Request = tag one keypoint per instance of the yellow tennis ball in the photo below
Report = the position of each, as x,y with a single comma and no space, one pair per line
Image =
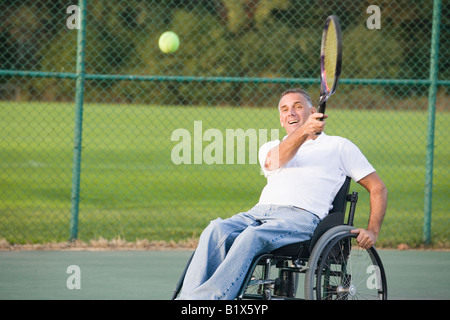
169,42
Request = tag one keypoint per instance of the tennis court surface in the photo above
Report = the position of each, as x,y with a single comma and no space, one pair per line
152,275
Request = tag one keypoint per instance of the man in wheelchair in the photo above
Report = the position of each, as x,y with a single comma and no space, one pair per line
304,173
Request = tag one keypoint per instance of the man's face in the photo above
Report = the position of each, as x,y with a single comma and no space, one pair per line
294,111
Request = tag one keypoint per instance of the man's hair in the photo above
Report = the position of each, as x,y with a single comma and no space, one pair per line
300,91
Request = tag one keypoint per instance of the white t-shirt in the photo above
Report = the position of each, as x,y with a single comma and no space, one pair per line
312,178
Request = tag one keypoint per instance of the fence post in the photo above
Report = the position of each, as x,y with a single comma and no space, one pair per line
431,121
79,92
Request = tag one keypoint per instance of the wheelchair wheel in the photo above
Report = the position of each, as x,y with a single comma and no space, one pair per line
340,270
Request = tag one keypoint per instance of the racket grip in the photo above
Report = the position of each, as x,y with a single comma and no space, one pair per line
322,107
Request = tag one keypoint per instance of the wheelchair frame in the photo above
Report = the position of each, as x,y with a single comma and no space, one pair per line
328,261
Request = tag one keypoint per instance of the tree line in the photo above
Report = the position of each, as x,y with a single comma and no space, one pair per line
219,38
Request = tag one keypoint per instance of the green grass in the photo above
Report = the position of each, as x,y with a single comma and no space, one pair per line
130,187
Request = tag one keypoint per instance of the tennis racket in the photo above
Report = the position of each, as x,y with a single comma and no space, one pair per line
330,60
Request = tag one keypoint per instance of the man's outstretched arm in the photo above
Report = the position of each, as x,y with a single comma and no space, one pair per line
378,203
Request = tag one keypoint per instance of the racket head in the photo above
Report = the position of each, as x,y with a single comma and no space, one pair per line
330,58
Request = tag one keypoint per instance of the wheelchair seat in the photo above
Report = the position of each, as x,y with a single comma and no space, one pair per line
334,218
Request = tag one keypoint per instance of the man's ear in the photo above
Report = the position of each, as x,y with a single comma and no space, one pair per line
313,110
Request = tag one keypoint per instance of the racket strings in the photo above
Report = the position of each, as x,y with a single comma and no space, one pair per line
331,52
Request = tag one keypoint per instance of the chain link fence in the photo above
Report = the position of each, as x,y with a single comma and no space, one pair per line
136,144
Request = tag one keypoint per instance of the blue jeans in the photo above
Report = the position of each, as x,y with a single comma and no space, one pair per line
227,247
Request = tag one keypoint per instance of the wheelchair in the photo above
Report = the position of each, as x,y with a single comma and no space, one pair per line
329,266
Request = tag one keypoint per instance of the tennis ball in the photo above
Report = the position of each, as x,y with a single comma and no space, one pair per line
168,42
